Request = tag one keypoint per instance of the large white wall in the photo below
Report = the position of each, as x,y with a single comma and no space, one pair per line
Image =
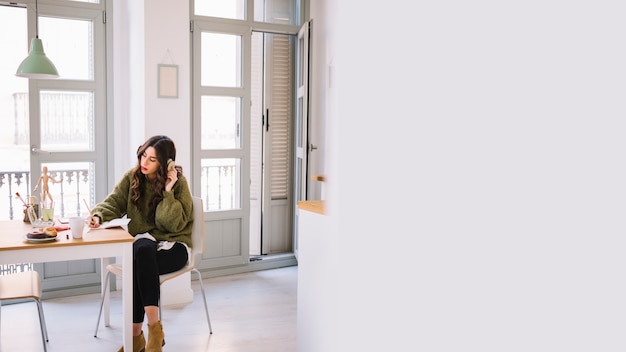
477,174
145,36
167,42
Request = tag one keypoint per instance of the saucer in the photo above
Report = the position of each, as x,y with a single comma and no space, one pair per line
40,240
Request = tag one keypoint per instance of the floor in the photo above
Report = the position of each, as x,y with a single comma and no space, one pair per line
249,312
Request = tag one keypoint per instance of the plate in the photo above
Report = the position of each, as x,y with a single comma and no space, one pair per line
40,240
40,223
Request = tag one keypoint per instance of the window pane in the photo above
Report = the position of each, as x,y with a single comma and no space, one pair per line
61,36
256,116
13,90
221,118
277,11
221,60
299,139
68,185
14,134
221,183
67,121
234,9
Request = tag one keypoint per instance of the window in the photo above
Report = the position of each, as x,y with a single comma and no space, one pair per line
53,122
277,11
234,9
243,107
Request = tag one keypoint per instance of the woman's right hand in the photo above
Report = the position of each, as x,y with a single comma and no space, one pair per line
94,222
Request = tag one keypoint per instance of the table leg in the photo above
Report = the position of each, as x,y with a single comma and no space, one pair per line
127,297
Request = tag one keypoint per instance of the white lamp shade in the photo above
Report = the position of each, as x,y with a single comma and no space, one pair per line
37,64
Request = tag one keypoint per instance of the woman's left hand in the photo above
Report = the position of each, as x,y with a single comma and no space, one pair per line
172,177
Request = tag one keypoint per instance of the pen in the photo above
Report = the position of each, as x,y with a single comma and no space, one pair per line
91,221
86,205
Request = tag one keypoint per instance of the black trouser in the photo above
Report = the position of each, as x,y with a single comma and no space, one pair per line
148,264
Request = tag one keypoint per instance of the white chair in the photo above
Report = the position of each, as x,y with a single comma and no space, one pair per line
197,238
25,285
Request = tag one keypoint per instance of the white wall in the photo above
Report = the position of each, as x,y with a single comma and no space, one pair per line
167,42
146,36
477,174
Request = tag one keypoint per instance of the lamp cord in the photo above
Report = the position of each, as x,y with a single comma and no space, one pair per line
36,19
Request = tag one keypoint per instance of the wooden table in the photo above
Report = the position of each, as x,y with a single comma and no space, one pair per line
105,243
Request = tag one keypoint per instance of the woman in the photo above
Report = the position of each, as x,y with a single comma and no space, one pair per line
157,200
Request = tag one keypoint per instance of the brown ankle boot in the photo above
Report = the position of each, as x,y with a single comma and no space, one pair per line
156,337
139,344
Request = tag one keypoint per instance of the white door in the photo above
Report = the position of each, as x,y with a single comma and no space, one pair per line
245,55
302,121
272,143
51,124
221,133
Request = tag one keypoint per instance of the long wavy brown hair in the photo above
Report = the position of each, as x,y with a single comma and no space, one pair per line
165,150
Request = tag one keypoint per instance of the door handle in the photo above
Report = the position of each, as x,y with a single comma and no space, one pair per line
39,151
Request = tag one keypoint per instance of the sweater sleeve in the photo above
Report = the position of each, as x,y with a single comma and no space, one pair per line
174,213
115,204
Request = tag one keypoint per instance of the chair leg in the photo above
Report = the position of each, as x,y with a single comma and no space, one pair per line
105,292
206,309
42,325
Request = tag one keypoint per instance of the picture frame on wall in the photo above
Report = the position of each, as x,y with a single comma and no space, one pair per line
167,81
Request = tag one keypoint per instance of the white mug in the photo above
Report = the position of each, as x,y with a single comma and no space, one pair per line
77,225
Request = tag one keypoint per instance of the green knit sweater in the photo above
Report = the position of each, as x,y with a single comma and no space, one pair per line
174,214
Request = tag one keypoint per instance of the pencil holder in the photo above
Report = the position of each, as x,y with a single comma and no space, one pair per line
31,213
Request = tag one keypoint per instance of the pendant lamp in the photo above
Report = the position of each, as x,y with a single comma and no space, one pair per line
37,64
